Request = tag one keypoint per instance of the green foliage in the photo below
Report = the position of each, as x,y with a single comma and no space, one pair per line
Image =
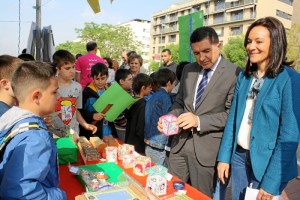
293,49
73,47
235,51
111,40
174,48
154,66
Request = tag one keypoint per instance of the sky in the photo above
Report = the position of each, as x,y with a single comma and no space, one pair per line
66,15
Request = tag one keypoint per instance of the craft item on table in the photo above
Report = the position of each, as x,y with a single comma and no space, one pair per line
98,144
156,179
128,161
169,124
67,150
113,142
125,149
178,185
94,180
142,163
88,152
111,154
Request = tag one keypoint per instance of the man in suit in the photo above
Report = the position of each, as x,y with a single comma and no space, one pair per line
202,105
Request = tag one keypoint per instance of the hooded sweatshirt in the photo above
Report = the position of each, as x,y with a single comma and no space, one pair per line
28,163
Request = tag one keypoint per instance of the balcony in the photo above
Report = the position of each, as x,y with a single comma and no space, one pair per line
230,5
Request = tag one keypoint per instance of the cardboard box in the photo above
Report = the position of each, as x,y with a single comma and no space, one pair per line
67,150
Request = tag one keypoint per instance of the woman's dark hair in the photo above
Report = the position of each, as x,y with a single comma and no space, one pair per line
278,47
109,62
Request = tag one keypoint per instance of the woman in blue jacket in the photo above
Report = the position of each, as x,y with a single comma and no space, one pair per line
262,132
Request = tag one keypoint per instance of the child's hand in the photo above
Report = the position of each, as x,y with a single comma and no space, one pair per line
48,119
98,116
160,125
91,127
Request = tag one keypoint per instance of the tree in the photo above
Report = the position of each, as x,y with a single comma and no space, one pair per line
235,51
154,66
73,47
111,40
293,49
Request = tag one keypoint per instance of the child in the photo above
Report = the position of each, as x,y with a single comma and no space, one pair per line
135,63
124,79
91,93
66,113
8,64
136,114
28,165
158,105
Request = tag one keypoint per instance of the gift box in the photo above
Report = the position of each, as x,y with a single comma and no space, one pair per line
142,163
111,154
125,149
156,179
67,150
88,153
169,124
128,161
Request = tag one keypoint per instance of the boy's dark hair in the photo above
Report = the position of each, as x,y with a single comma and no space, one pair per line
78,55
139,81
121,74
179,69
109,61
163,76
8,64
62,57
99,68
204,32
26,57
30,75
90,46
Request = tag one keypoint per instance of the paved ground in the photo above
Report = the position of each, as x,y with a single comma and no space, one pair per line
292,190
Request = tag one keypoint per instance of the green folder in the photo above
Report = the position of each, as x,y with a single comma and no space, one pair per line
113,102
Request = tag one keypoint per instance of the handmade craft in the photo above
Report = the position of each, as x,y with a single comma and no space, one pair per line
111,154
142,163
169,124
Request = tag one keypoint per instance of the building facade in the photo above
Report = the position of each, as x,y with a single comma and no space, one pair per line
141,30
228,17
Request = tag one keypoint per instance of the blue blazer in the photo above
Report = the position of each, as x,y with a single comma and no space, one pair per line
274,134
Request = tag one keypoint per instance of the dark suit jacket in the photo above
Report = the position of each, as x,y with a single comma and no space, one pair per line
212,111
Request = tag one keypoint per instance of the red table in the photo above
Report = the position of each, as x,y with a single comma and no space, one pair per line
71,185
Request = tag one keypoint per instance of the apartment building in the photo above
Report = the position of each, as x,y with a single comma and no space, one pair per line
228,17
141,30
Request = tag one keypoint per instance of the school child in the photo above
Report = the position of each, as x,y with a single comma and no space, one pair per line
124,79
105,129
136,114
8,65
158,105
28,164
67,116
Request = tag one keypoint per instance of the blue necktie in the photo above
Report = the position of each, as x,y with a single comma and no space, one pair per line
201,87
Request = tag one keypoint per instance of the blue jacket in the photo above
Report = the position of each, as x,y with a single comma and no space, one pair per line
28,163
275,128
158,105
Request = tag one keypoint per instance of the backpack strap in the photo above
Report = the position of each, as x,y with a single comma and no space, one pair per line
17,130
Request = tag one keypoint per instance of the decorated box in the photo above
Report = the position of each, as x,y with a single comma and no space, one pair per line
125,149
67,150
89,154
142,163
169,124
111,154
156,180
128,161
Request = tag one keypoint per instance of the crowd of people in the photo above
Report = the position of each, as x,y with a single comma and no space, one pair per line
234,124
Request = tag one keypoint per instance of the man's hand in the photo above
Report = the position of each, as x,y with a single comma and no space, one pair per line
187,120
263,195
223,171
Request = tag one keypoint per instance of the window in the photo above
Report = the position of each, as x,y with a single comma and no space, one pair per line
220,31
237,15
219,5
173,26
284,15
154,40
153,50
173,17
289,2
218,18
162,40
253,12
237,30
172,38
162,19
